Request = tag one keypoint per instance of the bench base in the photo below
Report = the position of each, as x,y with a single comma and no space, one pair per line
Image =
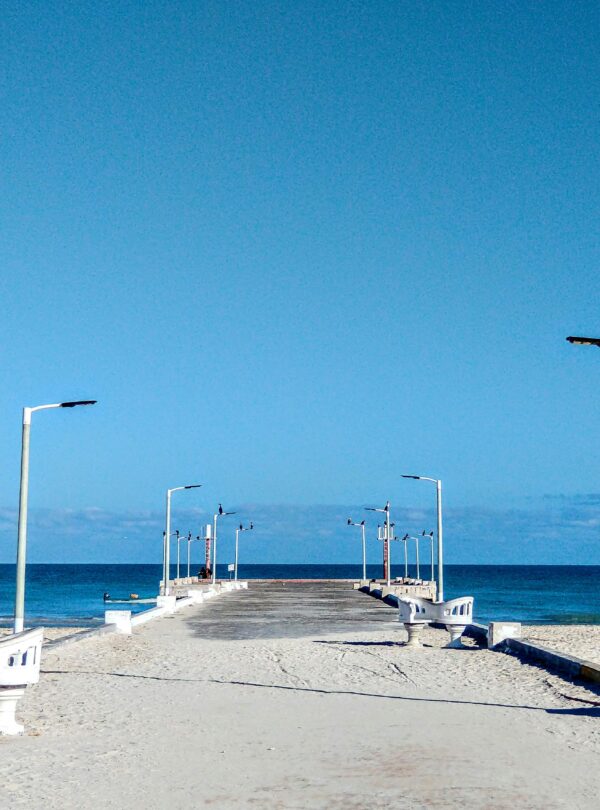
9,697
456,631
414,630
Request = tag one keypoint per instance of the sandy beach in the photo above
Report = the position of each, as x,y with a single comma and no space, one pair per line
268,698
579,640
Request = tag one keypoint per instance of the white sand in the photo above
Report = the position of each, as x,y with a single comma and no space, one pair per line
580,640
165,718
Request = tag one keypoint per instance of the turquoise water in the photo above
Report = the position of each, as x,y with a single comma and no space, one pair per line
72,594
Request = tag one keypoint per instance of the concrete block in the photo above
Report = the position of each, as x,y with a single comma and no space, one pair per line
168,602
120,618
500,631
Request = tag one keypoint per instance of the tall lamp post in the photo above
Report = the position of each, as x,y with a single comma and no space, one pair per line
386,539
241,528
167,536
220,513
416,539
364,545
176,534
430,536
189,543
23,498
405,540
440,542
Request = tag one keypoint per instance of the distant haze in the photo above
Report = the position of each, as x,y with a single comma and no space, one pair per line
548,531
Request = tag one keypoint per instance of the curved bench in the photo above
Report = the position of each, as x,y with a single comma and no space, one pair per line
20,657
415,612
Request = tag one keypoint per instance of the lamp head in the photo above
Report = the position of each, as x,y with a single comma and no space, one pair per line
79,402
583,341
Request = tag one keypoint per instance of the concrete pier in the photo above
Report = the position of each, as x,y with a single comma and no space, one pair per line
297,695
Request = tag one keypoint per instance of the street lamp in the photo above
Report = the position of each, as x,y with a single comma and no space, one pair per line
167,537
386,539
220,513
405,540
584,341
364,546
176,534
440,544
416,539
23,495
430,536
189,543
237,533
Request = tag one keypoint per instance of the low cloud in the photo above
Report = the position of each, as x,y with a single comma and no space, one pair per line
551,530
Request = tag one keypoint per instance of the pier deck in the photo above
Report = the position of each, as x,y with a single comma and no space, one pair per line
293,609
293,696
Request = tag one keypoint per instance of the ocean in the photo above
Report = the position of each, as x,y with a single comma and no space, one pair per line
73,594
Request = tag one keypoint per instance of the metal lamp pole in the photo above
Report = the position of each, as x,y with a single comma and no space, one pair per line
416,539
386,539
23,498
440,542
167,536
364,545
220,513
237,534
430,535
189,543
176,534
405,541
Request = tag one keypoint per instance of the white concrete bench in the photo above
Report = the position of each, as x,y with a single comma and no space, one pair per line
20,657
415,612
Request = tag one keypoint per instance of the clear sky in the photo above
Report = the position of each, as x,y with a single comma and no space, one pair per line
296,249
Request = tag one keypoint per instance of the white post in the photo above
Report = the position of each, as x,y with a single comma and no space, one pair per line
166,556
418,569
364,551
177,537
440,545
406,558
214,573
189,543
432,560
22,531
237,534
387,540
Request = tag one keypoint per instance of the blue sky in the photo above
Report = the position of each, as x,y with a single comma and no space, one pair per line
295,250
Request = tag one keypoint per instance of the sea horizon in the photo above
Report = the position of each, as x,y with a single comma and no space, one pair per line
71,594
